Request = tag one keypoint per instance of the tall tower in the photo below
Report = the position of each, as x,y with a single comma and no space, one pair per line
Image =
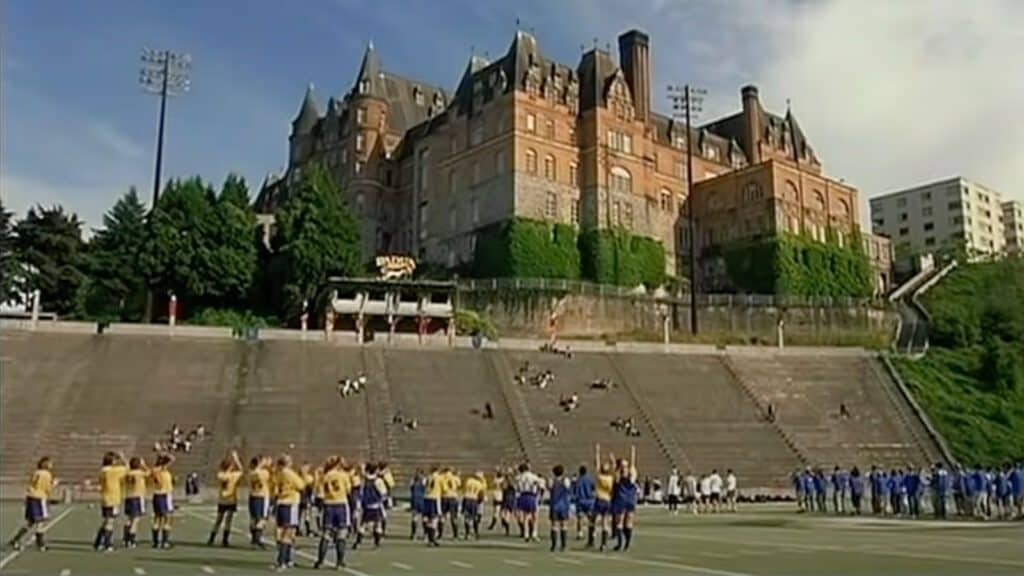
635,60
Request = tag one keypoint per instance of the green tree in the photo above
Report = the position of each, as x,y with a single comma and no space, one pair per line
315,236
115,288
48,242
235,191
235,242
9,269
200,247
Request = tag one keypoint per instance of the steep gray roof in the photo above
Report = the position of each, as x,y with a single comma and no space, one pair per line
596,70
309,113
774,128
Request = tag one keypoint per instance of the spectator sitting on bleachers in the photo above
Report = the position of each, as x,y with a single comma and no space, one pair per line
551,429
601,384
412,424
488,411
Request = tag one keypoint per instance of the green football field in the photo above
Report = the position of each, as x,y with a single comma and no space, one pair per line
765,540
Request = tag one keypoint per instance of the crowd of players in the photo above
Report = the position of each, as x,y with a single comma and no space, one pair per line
977,492
337,500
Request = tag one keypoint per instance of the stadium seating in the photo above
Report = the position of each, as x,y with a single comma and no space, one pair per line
807,392
75,396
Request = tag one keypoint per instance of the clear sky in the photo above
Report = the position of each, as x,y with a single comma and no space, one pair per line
890,93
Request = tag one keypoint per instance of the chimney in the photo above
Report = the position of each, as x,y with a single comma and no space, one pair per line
752,119
635,60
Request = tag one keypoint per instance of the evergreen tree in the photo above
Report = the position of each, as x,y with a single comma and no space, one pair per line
115,288
9,269
48,243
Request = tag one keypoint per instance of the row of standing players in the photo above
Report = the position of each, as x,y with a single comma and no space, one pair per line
976,492
347,498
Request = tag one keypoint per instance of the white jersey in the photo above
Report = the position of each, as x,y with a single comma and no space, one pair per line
705,485
691,485
529,483
730,483
715,482
673,485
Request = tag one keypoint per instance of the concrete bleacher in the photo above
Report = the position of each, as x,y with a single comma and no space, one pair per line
75,395
807,391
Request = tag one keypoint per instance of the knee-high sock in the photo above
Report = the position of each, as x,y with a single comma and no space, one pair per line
280,554
339,550
563,532
628,532
321,550
554,538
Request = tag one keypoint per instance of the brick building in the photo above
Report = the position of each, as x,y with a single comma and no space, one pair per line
426,169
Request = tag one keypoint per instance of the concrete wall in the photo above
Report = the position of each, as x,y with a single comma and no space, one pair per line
528,313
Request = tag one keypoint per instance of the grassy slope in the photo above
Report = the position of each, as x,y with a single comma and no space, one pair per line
979,423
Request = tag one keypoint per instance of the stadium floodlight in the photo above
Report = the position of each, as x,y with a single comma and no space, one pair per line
164,73
687,102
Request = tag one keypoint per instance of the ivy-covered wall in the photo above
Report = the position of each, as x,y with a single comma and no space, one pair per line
526,248
619,257
795,265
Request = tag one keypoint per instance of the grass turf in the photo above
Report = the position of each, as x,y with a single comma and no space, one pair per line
766,540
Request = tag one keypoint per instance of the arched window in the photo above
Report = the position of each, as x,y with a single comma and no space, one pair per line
574,176
666,199
549,167
844,207
622,181
531,161
819,201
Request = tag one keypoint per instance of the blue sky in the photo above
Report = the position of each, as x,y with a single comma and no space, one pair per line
889,94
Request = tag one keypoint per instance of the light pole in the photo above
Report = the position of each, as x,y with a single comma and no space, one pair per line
686,102
164,73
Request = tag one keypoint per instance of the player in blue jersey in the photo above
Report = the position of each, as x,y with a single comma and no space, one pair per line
417,494
371,500
624,499
560,495
584,494
940,488
856,490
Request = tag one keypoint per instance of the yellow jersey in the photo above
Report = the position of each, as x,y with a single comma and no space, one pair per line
40,485
474,489
259,482
318,483
110,484
288,486
604,485
450,486
163,481
227,482
356,478
336,486
435,482
389,480
135,483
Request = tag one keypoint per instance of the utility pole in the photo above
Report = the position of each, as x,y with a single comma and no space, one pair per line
164,73
686,102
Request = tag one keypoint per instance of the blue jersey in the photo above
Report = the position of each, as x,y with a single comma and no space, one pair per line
798,483
1002,485
624,492
560,495
959,482
584,489
839,481
1016,480
912,483
856,484
818,482
416,492
940,482
371,496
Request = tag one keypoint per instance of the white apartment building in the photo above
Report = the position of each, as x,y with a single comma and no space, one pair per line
938,216
1013,226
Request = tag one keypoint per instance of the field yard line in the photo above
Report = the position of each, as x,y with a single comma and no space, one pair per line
305,555
665,557
65,572
461,564
572,561
826,548
208,569
10,557
519,563
139,571
663,564
401,566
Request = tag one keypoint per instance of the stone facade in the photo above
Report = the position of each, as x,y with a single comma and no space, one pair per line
525,136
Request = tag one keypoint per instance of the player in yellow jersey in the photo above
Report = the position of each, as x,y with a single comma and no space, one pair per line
450,492
306,500
229,475
336,487
112,474
163,500
36,496
259,498
134,499
432,504
603,500
318,497
474,493
288,486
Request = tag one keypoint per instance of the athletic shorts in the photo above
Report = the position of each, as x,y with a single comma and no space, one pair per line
621,507
431,508
287,515
558,514
375,514
585,508
336,516
416,505
259,507
135,507
715,497
109,511
527,503
508,504
449,505
471,507
35,509
163,504
732,494
602,507
673,499
225,507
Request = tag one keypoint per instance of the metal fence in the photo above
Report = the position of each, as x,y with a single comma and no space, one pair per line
564,286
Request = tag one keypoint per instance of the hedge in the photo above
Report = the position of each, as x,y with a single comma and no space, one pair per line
796,265
619,257
526,248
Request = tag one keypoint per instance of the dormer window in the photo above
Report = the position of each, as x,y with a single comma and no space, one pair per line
417,94
364,86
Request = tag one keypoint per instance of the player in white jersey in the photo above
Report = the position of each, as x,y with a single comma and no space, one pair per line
704,496
529,487
715,483
690,482
730,490
674,489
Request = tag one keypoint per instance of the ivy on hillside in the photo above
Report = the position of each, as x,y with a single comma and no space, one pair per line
619,257
525,248
798,266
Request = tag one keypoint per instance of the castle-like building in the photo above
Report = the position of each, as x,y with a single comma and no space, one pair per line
426,169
